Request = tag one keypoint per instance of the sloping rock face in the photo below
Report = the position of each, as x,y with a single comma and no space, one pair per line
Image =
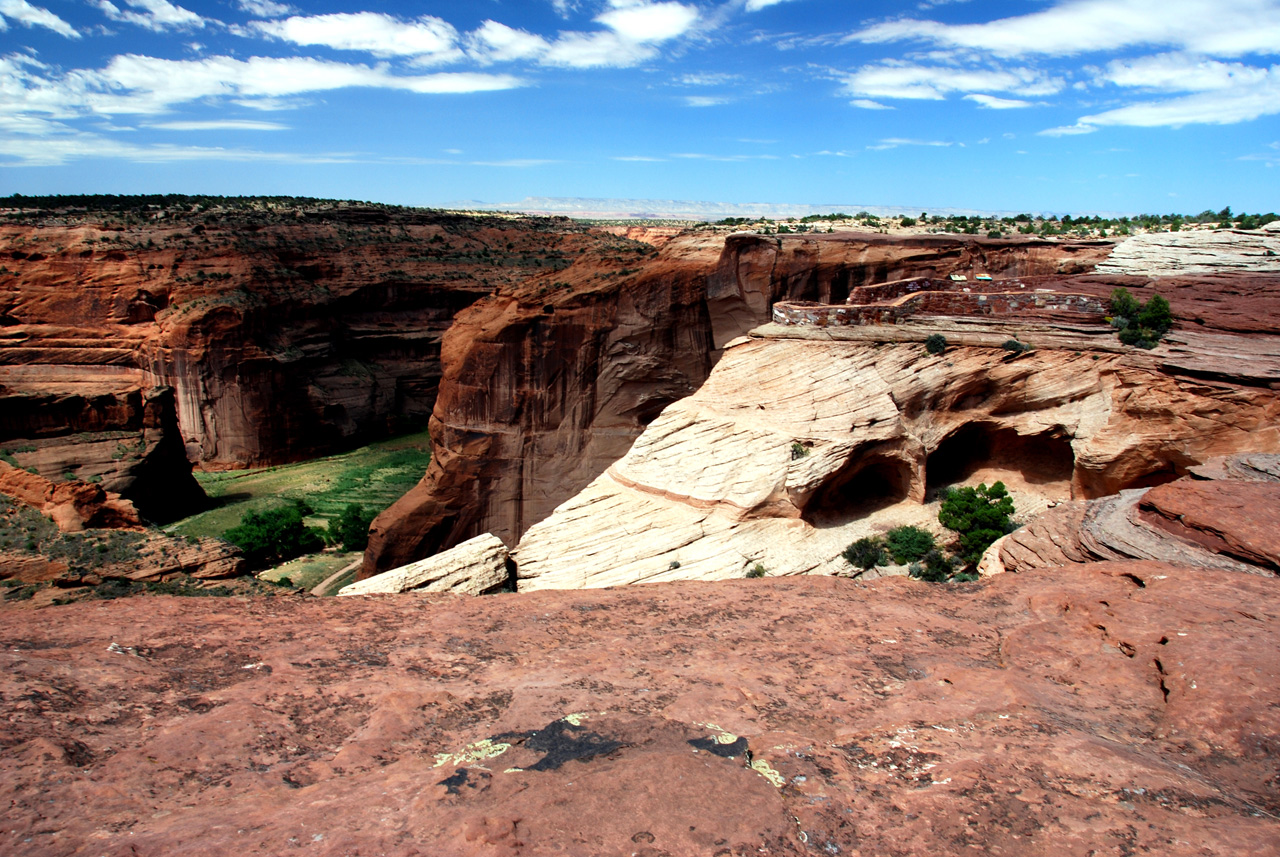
790,438
1110,708
474,567
542,392
1224,515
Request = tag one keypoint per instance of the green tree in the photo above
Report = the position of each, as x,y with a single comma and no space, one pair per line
936,344
908,544
865,553
980,515
351,528
275,535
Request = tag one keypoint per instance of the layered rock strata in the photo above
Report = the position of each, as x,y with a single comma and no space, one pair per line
542,392
790,440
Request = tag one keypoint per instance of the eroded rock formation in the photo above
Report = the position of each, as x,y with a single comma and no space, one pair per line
542,392
242,336
791,439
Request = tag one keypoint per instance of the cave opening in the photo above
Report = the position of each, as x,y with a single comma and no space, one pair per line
858,490
1043,462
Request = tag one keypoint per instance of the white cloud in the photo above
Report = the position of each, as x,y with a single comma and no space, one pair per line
53,151
1181,73
264,8
993,103
1074,27
1068,130
495,42
591,50
705,100
1240,103
757,5
650,22
133,84
894,79
895,142
156,15
426,38
221,125
868,104
34,16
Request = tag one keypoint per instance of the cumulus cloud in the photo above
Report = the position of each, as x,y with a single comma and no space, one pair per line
649,22
427,38
494,42
1073,27
757,5
34,16
155,15
868,104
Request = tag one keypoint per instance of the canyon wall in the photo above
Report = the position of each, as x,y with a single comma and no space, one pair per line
542,392
134,341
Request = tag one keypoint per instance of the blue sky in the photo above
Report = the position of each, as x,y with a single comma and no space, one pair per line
1039,105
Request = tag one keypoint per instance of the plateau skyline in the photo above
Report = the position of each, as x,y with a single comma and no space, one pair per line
1062,105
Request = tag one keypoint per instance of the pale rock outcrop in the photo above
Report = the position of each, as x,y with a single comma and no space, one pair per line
475,566
790,443
1164,254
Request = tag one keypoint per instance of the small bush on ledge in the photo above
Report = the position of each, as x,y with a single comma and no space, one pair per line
908,544
1140,325
936,344
865,553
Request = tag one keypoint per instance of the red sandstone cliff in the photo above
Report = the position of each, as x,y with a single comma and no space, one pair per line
278,333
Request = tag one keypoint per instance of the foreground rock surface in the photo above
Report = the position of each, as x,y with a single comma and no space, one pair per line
1100,709
476,566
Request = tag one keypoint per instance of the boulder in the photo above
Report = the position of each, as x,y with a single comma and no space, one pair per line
476,566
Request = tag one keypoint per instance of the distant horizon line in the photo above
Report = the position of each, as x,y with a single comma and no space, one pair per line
605,208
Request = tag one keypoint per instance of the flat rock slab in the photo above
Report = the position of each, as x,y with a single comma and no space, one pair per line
475,566
1109,708
1240,519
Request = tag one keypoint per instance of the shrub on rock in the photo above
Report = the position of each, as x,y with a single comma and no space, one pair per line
908,544
865,553
980,515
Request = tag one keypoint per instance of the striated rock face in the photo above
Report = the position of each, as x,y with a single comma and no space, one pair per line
71,505
1229,523
542,393
789,440
1107,708
474,567
1164,254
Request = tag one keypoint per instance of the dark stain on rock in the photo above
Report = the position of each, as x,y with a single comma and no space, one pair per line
727,751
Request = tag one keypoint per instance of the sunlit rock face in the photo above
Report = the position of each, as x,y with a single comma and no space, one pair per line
781,456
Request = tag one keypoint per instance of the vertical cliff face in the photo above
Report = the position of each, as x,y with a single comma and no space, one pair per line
540,395
240,335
